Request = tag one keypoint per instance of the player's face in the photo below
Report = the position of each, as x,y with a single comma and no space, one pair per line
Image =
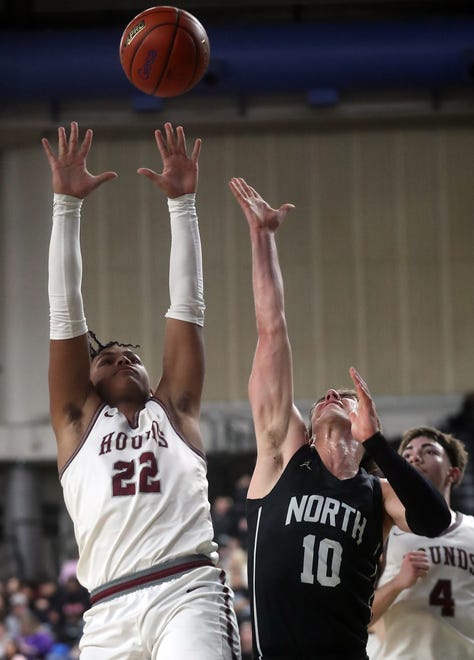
333,408
118,374
429,458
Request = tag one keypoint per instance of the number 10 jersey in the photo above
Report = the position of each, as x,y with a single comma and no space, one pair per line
314,544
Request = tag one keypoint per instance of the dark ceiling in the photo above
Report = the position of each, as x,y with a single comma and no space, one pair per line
31,14
309,58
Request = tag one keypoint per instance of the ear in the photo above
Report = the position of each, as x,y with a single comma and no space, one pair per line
454,475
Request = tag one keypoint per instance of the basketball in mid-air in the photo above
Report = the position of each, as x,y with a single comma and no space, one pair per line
164,51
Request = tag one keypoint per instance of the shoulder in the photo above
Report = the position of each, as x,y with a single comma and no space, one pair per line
269,469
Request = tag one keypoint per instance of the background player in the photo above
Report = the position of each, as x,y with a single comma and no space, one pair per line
425,596
131,458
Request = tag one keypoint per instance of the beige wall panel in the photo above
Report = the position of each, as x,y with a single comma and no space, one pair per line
377,256
463,326
427,349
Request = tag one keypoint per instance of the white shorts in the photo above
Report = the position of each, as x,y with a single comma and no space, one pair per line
189,617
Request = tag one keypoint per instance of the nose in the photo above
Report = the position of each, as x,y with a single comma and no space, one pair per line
414,457
124,359
332,395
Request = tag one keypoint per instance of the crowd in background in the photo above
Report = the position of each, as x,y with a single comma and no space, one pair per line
43,620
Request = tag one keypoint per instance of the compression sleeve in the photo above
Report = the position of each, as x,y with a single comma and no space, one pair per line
185,273
426,511
66,311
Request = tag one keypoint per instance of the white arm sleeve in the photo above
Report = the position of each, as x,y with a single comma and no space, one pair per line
66,311
185,274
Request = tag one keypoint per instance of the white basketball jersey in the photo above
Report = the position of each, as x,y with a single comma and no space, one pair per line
137,495
435,617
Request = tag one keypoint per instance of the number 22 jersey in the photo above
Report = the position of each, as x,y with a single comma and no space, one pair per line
314,544
137,495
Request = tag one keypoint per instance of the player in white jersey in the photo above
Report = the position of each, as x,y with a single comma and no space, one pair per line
131,457
425,596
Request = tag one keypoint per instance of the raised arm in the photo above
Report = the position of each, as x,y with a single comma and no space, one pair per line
180,386
411,502
279,428
69,383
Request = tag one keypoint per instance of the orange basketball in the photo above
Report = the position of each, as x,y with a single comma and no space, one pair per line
164,51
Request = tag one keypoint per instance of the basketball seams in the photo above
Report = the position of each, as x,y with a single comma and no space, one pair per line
170,50
196,59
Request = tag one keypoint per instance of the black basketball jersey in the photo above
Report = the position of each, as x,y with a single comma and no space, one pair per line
314,542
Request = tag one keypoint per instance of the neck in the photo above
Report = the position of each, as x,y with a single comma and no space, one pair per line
339,452
129,408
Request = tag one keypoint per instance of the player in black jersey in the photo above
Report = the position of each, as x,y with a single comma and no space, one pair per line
316,521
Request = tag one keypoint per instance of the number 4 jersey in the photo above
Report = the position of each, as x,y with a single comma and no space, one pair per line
435,617
137,495
314,544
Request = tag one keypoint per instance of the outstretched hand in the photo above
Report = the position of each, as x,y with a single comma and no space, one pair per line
364,421
68,168
180,171
259,213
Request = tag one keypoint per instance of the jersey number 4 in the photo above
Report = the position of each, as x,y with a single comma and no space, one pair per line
129,475
329,561
442,595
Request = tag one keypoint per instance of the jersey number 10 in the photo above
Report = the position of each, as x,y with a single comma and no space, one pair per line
329,561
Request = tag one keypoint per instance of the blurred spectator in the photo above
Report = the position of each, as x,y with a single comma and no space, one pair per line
245,629
74,601
3,607
237,576
34,640
4,640
46,604
240,508
12,651
221,514
18,606
461,425
13,585
68,570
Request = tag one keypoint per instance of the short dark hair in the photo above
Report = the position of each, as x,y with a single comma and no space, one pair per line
96,346
454,448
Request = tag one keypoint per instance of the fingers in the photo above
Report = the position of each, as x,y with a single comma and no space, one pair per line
105,176
242,190
419,562
196,150
47,149
85,146
238,190
180,138
62,141
67,147
73,136
150,174
360,384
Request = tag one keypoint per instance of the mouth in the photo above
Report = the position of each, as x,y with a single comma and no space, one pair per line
333,403
126,369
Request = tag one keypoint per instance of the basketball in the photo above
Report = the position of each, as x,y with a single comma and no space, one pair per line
164,51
